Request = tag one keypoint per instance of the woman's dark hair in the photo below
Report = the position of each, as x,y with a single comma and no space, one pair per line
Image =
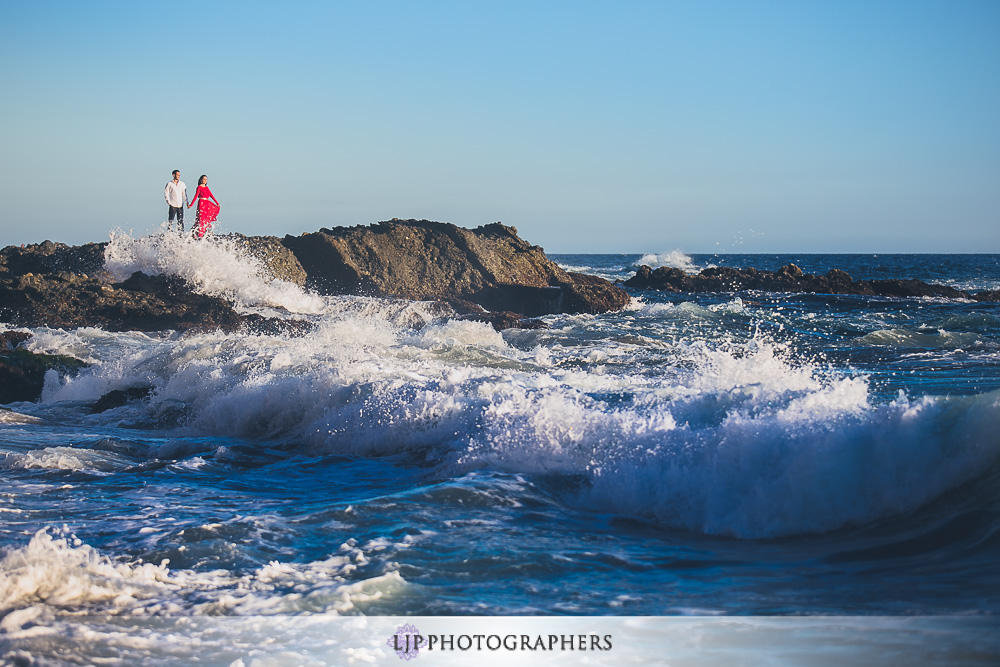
201,179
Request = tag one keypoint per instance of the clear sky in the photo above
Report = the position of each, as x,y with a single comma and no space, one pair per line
760,126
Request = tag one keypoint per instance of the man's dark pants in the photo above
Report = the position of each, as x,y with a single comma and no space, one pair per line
179,212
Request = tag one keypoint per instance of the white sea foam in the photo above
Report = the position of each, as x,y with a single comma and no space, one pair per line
920,339
11,417
717,433
734,438
576,268
57,572
806,468
64,458
675,259
214,266
56,569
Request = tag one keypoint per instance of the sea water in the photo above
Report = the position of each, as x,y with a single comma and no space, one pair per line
745,453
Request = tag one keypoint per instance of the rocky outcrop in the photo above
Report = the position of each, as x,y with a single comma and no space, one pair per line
789,278
488,274
140,303
274,256
52,284
22,373
590,294
989,295
423,260
54,258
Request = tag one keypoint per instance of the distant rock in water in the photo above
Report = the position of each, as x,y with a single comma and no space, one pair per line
990,295
789,278
423,260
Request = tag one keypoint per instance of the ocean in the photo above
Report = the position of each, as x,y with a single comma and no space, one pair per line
749,454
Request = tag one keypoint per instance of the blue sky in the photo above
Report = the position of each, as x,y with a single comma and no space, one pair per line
591,127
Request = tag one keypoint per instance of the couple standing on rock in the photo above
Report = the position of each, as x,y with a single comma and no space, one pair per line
208,205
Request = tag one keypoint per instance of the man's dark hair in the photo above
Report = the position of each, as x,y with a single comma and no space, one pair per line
175,172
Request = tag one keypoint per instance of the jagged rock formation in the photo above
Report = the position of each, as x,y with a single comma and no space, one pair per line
789,278
273,255
22,373
488,274
54,258
140,303
423,260
52,284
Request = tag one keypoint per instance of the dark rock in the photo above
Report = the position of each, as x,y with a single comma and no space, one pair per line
460,307
140,303
905,288
48,257
423,260
505,320
522,299
666,278
989,295
22,373
789,278
167,286
839,280
276,258
592,294
52,284
790,271
10,340
120,397
269,326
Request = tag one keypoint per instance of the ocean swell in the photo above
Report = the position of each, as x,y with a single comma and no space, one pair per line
737,439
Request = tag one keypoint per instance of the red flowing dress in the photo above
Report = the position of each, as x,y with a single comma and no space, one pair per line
208,210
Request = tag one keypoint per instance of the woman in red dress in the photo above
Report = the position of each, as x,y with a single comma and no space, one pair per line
208,208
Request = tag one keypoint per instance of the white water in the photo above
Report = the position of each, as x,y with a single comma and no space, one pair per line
731,438
739,440
57,572
214,266
675,259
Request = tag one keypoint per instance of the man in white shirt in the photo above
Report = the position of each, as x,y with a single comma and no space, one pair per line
176,194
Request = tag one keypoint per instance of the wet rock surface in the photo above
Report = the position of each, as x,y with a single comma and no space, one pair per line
486,274
423,260
140,303
505,320
119,397
276,259
55,285
54,258
790,278
22,373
